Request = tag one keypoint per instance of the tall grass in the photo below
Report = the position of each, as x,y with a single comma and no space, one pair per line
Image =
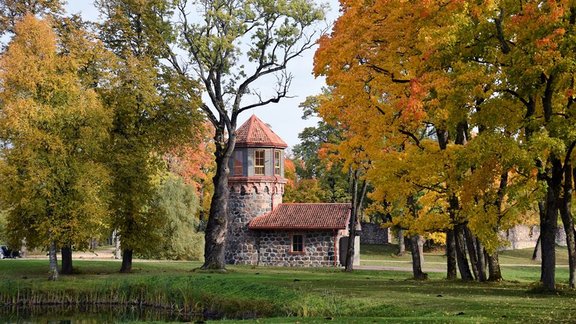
214,295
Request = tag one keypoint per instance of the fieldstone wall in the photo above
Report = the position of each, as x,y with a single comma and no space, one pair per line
246,201
275,247
374,234
523,236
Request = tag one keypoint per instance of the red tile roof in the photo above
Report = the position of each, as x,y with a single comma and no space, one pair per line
303,216
255,133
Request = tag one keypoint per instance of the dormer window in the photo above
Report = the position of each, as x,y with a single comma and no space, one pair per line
259,162
277,162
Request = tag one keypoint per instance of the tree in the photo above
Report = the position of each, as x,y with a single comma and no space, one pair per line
397,87
233,46
195,164
12,11
319,178
176,202
53,129
528,56
3,233
154,111
504,68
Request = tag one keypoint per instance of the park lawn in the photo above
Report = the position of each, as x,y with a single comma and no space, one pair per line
385,255
279,295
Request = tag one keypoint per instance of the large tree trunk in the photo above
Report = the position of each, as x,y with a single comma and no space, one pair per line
481,260
351,244
217,227
442,136
471,247
460,244
553,176
53,260
461,258
126,261
494,273
66,260
548,225
358,195
568,221
401,245
451,271
417,248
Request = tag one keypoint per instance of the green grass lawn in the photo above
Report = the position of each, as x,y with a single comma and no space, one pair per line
279,295
385,255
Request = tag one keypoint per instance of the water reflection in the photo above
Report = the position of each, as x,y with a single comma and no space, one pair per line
88,314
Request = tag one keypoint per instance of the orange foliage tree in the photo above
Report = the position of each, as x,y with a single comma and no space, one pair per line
406,74
195,164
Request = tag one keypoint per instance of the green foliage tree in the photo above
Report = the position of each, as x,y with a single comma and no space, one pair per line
12,11
53,131
3,232
319,179
176,202
154,111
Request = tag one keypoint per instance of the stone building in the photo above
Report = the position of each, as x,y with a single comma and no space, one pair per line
264,231
374,234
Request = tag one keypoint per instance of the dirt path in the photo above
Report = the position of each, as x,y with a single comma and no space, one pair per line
100,254
388,268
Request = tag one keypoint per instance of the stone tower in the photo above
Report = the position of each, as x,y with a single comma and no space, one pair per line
256,185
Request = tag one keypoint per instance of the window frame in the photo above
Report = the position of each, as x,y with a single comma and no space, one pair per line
258,167
293,244
277,162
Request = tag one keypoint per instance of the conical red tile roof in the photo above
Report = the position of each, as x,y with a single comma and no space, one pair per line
255,133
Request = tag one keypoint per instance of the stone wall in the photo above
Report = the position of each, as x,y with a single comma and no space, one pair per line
523,236
374,234
519,236
247,201
275,247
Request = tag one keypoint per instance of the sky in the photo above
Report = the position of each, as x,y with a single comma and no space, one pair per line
285,117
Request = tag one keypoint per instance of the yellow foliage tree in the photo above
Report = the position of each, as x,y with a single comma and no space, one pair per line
53,131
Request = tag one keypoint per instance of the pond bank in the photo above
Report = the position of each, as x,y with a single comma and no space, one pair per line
289,294
92,314
196,297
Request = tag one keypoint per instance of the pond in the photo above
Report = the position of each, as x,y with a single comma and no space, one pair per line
87,314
